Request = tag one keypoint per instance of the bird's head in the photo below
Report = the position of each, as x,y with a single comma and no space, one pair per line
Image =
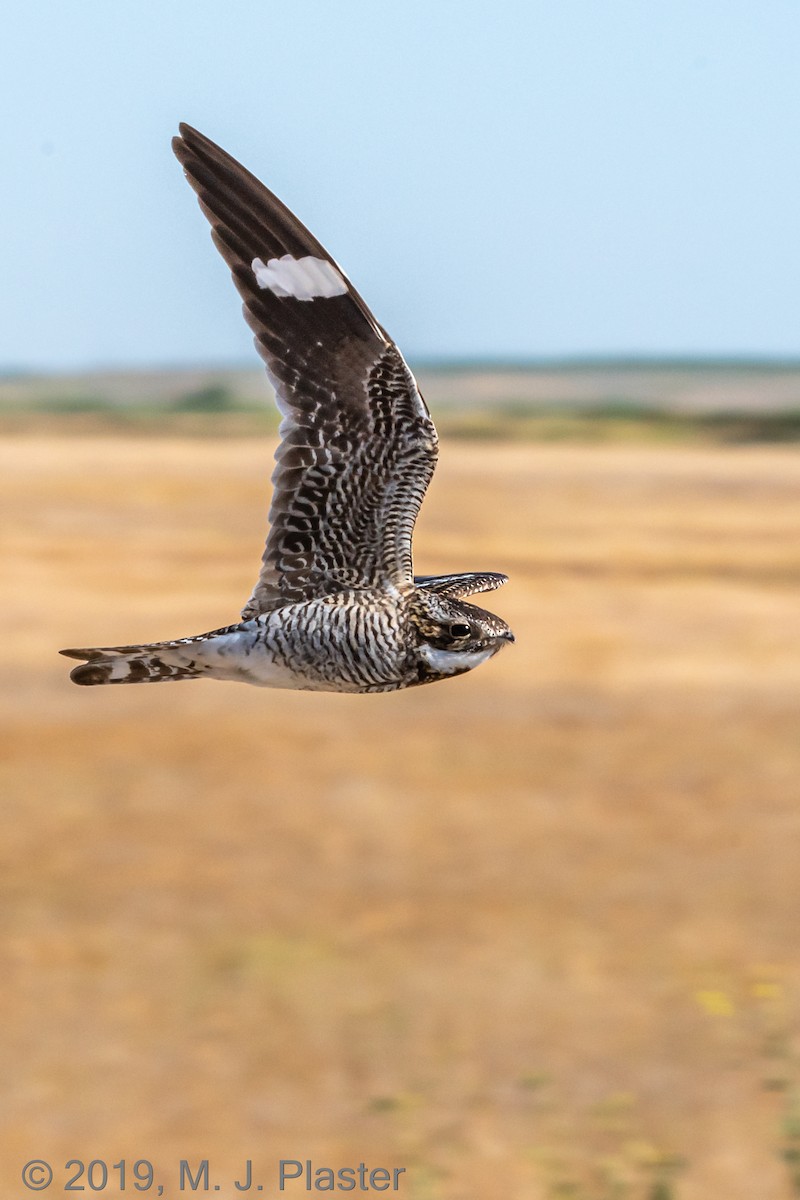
452,636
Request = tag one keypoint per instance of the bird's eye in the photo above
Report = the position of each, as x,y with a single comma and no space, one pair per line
459,630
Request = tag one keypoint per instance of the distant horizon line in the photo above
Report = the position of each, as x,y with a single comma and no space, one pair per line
446,363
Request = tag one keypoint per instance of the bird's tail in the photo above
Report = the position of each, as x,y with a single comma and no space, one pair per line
137,664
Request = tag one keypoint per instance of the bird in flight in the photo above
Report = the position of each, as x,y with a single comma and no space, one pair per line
336,607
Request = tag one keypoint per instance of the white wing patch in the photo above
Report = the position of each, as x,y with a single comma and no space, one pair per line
300,278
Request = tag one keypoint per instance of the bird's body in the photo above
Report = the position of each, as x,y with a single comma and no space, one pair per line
352,641
336,607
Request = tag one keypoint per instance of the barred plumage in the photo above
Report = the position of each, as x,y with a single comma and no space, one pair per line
336,606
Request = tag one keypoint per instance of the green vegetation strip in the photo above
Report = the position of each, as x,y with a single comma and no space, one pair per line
216,412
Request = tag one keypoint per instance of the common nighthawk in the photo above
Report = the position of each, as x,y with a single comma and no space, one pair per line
336,607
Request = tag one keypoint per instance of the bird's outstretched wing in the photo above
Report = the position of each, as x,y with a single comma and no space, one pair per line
468,583
358,446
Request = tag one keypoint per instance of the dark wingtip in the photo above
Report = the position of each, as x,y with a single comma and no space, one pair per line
191,140
90,674
182,144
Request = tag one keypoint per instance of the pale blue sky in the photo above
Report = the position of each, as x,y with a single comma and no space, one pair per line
521,178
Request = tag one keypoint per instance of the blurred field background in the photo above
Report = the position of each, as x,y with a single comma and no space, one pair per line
532,933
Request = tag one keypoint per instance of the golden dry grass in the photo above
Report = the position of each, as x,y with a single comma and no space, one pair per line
537,925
